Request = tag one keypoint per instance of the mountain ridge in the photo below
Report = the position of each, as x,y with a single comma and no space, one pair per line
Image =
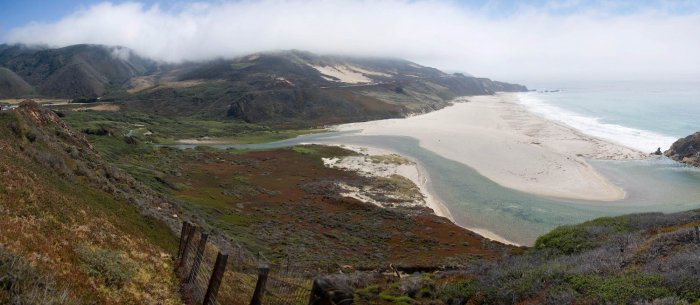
282,87
74,71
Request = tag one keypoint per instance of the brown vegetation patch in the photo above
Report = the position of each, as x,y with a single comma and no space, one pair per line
102,107
286,204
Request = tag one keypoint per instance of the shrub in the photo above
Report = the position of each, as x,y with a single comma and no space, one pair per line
110,265
462,290
399,300
16,128
50,160
31,136
22,284
566,239
680,272
621,289
617,224
97,131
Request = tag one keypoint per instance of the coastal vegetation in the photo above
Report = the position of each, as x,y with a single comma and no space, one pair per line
90,200
70,233
647,258
284,203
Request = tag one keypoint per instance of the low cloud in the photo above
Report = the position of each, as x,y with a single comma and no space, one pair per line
551,41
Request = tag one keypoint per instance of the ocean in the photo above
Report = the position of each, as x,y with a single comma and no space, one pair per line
640,115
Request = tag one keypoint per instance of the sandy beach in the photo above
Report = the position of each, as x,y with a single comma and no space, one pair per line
411,170
500,139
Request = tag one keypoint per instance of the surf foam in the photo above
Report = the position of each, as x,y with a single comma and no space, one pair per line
642,140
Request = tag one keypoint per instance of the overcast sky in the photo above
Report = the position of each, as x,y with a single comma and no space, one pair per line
506,40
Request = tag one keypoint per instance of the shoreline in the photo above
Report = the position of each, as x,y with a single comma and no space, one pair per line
417,175
421,179
506,143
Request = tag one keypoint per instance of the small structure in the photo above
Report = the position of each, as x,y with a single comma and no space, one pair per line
7,107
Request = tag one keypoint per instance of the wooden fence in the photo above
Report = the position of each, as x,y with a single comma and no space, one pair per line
211,276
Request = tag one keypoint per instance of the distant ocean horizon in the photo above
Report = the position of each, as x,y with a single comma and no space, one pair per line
642,115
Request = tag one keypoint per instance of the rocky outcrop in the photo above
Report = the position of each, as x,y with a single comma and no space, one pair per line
686,150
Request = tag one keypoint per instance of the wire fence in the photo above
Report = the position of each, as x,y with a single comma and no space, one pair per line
211,276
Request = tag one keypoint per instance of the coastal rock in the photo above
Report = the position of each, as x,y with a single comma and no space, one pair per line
686,150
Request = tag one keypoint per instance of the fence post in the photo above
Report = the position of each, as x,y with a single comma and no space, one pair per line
263,270
198,257
190,234
215,279
183,238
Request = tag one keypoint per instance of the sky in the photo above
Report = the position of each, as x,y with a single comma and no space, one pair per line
505,40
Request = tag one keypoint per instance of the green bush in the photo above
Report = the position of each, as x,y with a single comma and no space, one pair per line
399,300
566,239
458,290
621,289
618,224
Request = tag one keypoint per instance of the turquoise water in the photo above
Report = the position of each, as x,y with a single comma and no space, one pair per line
474,201
642,116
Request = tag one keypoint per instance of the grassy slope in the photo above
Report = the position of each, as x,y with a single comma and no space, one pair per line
53,217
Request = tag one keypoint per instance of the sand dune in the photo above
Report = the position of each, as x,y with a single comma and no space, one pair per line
345,74
511,146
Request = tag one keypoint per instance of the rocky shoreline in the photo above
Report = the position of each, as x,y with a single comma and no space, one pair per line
686,150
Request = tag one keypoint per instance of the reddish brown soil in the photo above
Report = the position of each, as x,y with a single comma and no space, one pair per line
284,203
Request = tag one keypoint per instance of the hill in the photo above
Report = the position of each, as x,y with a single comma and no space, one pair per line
74,229
303,88
74,71
12,85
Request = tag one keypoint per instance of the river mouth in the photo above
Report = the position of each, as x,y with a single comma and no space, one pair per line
652,185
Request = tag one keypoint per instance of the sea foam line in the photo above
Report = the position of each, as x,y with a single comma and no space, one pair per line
642,140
